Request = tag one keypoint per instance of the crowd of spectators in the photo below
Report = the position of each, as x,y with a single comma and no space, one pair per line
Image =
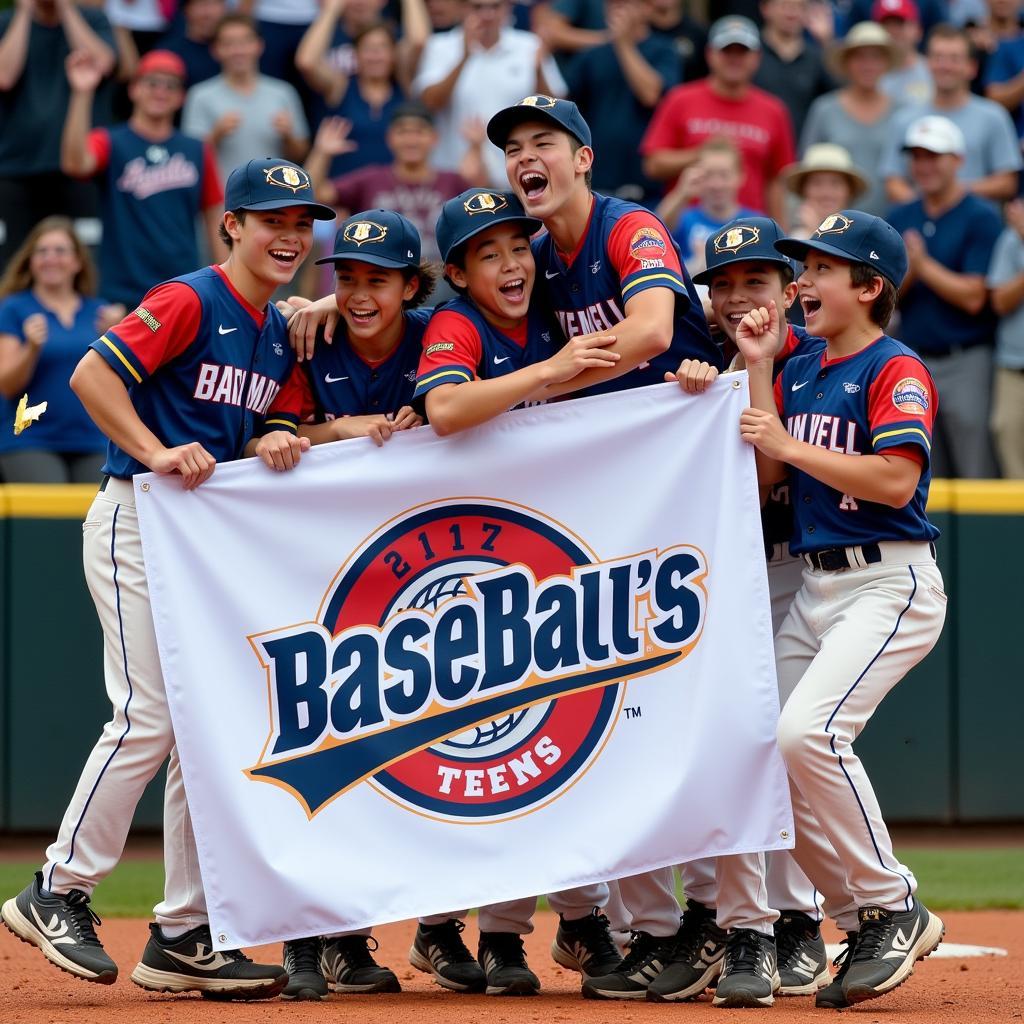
119,121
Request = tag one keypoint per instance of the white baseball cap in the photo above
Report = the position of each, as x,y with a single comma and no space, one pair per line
935,134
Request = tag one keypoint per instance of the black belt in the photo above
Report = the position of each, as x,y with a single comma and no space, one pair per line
833,559
104,482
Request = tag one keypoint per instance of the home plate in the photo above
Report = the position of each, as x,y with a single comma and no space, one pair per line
948,951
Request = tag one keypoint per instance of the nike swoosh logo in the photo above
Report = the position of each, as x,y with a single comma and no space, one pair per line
797,387
221,329
548,274
333,380
503,359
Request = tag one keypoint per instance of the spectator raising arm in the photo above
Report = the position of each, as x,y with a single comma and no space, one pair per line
81,37
558,32
438,95
415,32
311,56
76,158
332,139
643,80
14,45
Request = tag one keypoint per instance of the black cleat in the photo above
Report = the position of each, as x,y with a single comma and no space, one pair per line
803,962
888,944
189,963
695,960
831,996
348,964
750,976
439,950
504,962
647,957
586,945
306,981
63,927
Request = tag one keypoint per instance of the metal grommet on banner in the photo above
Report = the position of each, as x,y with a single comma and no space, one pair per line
222,937
145,487
736,384
784,834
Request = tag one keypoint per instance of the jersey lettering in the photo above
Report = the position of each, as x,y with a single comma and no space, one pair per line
849,503
832,433
598,316
226,384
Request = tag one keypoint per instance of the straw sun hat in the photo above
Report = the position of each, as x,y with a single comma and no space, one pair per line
863,34
825,156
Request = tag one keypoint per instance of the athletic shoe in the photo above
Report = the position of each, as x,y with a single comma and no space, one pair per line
586,945
749,977
189,963
803,962
504,962
302,962
888,944
439,950
695,960
648,954
348,965
831,996
63,927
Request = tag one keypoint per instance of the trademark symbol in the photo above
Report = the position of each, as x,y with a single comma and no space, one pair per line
633,712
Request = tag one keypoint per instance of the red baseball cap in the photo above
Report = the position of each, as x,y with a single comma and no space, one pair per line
905,10
161,62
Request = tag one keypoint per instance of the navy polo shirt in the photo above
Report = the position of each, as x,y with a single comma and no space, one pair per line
961,239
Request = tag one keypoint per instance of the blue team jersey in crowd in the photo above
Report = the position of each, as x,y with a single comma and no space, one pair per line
66,426
878,399
624,251
151,194
200,364
460,345
338,381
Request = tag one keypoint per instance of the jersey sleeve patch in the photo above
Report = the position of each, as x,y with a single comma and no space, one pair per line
159,329
452,351
901,405
642,251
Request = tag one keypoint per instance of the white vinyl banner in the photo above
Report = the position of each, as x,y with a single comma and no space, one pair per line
454,671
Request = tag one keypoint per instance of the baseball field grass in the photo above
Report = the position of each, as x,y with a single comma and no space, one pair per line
949,879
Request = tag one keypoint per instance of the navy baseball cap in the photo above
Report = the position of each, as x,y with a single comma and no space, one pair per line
381,237
272,184
741,240
477,210
564,113
858,237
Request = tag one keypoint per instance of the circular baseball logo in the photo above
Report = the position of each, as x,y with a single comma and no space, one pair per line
648,244
529,753
910,395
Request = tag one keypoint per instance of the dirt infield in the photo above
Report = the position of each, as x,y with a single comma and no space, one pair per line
985,989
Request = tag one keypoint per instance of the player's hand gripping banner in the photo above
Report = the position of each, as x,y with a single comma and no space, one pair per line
452,671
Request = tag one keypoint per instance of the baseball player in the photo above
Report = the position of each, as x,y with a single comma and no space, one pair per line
744,271
856,435
483,353
607,266
360,385
177,386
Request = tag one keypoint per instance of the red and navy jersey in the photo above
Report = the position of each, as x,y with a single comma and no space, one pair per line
338,381
200,364
777,511
880,399
460,346
624,251
151,194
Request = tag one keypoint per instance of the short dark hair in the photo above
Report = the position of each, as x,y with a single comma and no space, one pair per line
882,309
945,31
236,18
575,146
427,274
374,26
223,231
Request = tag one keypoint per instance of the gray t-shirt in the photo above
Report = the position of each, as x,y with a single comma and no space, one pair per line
1007,263
828,121
255,136
909,85
991,138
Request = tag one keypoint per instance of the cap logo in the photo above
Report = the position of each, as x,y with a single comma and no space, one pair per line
538,101
485,202
288,177
834,224
364,231
734,239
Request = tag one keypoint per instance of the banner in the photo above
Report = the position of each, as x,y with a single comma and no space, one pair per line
454,671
